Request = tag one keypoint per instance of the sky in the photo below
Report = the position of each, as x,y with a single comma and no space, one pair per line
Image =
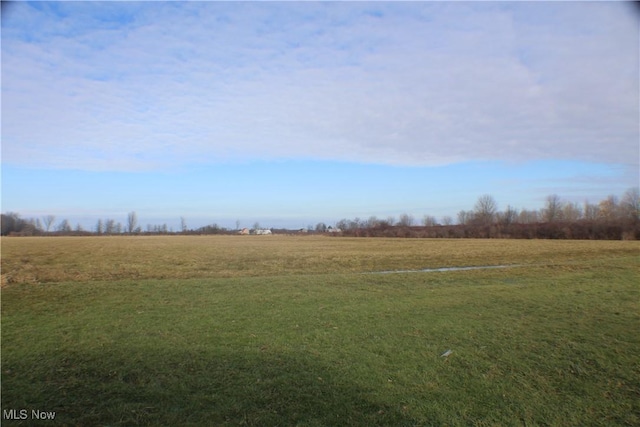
293,113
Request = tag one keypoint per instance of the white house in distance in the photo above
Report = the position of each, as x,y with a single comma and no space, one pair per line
262,231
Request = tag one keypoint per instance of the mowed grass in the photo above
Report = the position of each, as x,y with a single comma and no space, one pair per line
270,330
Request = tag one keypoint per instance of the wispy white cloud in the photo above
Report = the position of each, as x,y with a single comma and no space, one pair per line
132,86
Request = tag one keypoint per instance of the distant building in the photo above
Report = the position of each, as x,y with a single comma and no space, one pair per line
244,231
262,231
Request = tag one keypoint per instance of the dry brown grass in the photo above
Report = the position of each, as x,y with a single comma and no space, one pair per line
72,259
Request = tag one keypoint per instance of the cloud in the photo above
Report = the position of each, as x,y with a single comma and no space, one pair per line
125,86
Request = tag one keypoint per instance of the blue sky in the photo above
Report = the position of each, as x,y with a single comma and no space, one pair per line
298,112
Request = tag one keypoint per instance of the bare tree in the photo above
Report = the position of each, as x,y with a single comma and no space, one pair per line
509,216
372,222
64,226
571,212
447,220
37,225
553,209
11,222
608,208
630,204
132,222
528,217
356,223
32,226
464,217
590,211
110,226
99,227
405,220
48,220
485,209
183,224
429,221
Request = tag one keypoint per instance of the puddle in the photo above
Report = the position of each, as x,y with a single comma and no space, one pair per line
441,269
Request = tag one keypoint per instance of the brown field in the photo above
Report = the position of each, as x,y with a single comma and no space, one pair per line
72,259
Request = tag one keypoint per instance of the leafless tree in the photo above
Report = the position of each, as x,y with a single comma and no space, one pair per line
608,208
183,224
132,222
110,226
464,217
429,221
11,222
447,220
590,211
553,209
356,223
571,212
509,216
372,222
405,220
528,216
99,227
630,204
64,226
485,209
48,220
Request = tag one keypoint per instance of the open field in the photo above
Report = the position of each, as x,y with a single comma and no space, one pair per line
82,259
275,330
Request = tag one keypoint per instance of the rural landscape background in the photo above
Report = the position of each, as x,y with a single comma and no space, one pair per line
320,214
612,218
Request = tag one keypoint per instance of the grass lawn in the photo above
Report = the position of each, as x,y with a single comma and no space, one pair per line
269,330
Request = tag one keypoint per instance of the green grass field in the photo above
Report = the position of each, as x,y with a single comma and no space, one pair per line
283,330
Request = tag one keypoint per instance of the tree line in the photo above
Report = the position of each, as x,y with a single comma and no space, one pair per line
12,224
612,218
